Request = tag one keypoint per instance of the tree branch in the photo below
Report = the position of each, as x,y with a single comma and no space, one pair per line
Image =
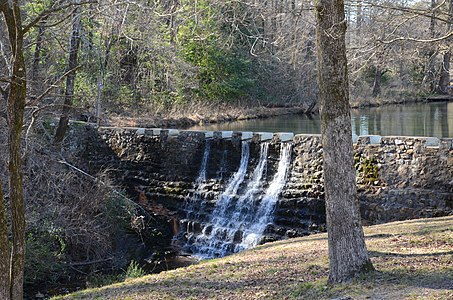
417,11
64,162
51,10
6,80
52,86
417,40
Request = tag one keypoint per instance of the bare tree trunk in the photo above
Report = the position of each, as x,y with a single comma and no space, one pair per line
4,249
359,17
377,82
37,56
431,76
15,113
347,250
70,79
444,79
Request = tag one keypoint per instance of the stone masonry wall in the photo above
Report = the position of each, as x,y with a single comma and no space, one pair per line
398,177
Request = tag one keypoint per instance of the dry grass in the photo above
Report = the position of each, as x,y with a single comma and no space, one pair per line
414,260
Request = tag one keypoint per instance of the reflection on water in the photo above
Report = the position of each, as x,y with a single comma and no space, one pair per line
421,119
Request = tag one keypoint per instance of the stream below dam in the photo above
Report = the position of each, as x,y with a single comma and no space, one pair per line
434,119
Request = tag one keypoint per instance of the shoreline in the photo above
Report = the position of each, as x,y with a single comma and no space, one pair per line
232,114
184,122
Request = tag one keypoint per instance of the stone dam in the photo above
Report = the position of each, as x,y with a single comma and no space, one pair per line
216,193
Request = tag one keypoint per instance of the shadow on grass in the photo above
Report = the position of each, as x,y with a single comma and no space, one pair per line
425,279
393,254
291,241
197,287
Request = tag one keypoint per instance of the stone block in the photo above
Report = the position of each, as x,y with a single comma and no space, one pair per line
263,136
173,132
432,142
205,133
156,131
375,139
246,135
398,142
140,131
209,134
223,134
284,136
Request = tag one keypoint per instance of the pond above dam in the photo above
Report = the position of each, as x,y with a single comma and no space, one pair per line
415,119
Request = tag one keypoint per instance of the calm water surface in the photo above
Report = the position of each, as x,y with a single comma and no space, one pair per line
420,119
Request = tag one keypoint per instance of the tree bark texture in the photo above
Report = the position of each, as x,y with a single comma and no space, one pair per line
70,79
37,56
377,82
432,55
15,114
4,249
444,79
347,250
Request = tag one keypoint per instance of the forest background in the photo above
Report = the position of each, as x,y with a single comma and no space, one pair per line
109,59
151,58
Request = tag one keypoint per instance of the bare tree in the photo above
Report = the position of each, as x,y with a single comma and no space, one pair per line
13,279
74,45
347,250
444,80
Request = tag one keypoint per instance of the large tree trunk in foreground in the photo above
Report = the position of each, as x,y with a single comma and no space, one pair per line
15,113
347,250
4,249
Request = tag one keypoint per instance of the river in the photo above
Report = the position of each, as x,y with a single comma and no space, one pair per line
415,119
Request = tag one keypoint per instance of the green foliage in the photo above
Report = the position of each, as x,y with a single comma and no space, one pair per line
85,90
367,168
118,212
45,253
369,74
98,279
223,73
134,271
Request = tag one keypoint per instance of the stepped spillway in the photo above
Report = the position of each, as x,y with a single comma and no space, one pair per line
183,177
240,217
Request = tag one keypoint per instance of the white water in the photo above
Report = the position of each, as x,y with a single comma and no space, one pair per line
209,243
239,221
234,183
193,202
264,214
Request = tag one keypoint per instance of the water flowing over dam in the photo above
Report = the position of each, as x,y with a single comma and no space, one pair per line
240,216
211,194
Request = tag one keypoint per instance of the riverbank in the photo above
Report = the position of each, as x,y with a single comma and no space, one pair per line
209,115
412,258
378,101
184,118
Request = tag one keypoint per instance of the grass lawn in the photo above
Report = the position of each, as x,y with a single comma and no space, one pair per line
414,260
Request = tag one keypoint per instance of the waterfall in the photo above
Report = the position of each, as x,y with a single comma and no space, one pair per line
207,243
238,221
264,214
233,185
204,163
243,210
193,202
